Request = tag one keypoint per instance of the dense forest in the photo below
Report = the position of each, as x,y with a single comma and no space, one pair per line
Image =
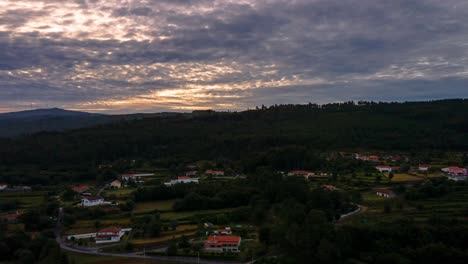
281,136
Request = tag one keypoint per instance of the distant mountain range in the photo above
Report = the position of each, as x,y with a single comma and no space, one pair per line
55,119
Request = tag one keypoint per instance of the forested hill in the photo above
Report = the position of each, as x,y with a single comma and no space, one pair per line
261,134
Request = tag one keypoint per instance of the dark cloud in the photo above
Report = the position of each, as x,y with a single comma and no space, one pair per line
254,51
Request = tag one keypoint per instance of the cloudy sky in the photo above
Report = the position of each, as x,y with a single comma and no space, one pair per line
122,56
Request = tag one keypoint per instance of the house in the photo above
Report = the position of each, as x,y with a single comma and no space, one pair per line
116,184
371,158
455,171
3,186
301,173
10,218
92,201
134,177
457,177
181,179
423,168
192,166
191,173
387,169
106,235
80,188
387,193
384,169
109,235
221,244
223,231
214,172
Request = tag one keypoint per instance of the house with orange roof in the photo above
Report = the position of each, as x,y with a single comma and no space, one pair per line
80,188
11,218
220,244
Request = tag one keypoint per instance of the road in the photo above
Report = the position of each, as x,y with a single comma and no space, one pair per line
94,251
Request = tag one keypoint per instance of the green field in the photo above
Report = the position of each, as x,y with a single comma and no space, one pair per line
26,200
189,214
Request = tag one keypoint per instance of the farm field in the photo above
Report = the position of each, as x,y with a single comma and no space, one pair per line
452,205
189,214
401,177
26,200
152,206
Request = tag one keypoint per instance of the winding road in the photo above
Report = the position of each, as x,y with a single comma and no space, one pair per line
95,251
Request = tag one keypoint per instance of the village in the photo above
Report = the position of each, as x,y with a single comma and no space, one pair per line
117,217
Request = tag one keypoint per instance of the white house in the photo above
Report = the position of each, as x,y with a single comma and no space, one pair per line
106,235
387,193
221,244
423,168
3,186
134,177
116,184
457,177
455,171
182,179
224,231
110,235
387,169
301,173
191,173
92,201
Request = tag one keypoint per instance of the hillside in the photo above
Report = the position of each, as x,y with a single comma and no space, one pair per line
263,136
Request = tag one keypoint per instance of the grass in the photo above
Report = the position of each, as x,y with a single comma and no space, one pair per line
189,214
451,205
120,193
401,177
152,206
161,239
26,200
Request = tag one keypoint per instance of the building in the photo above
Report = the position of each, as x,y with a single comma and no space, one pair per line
181,179
92,201
3,186
221,244
371,158
116,184
80,188
457,177
387,193
455,171
135,177
214,172
301,173
224,231
109,235
106,235
10,218
387,169
191,173
423,168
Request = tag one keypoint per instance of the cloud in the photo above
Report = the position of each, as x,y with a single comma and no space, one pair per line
121,56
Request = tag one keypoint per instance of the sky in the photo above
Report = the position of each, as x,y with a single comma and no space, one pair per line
123,56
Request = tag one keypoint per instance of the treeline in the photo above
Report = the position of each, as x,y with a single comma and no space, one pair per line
283,136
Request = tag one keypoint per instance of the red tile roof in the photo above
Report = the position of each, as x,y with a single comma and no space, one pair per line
110,230
80,188
222,240
183,178
11,216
